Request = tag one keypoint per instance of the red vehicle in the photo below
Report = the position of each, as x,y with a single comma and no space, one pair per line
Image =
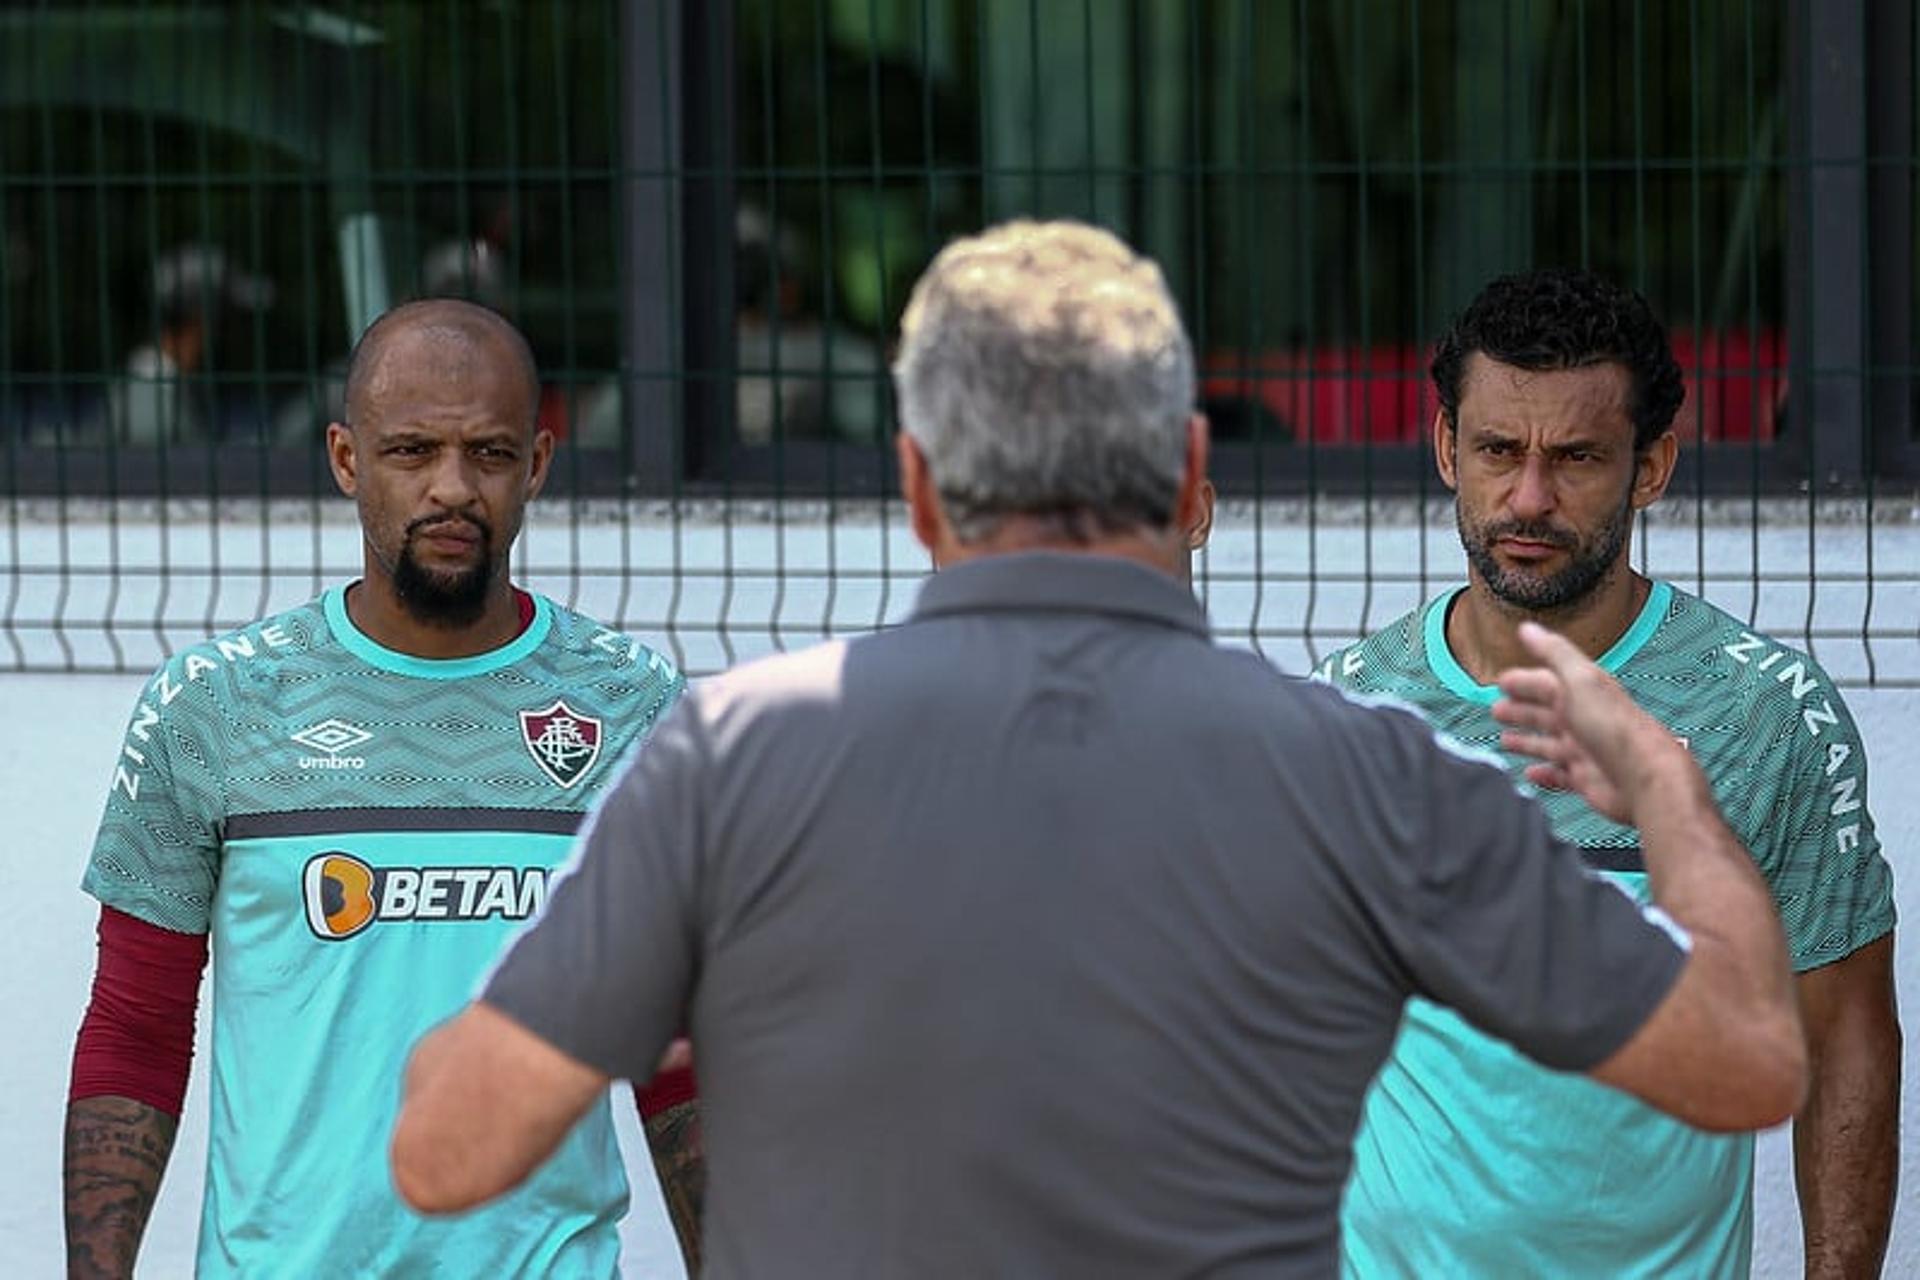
1736,388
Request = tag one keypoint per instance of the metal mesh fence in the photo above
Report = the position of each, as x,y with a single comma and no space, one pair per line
706,214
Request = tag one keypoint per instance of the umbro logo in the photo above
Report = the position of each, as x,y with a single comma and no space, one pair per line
332,739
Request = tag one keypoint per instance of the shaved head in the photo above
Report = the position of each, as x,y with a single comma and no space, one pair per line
449,332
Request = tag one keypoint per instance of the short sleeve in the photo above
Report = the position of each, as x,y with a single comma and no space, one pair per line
1342,668
1833,887
1505,925
157,853
604,972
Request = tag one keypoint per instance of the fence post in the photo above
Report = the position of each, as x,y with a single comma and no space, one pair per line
707,231
649,131
1849,238
1890,232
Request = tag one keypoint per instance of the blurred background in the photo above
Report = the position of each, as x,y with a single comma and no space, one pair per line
706,215
682,201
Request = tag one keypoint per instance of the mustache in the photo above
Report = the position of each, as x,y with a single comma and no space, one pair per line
1531,531
450,524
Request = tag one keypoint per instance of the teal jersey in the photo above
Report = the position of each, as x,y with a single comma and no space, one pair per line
361,831
1472,1160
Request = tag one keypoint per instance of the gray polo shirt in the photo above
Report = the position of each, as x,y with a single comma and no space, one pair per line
1040,936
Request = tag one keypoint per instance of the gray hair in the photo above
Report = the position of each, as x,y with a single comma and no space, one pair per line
1044,372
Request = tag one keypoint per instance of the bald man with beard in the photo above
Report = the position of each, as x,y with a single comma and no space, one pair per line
352,805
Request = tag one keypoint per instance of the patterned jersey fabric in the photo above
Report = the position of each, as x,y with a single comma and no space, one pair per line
1472,1160
360,831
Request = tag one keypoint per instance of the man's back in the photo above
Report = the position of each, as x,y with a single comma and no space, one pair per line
1040,934
1038,983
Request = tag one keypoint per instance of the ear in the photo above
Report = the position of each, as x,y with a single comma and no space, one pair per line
1202,529
542,460
341,457
1193,503
1446,449
1653,468
924,512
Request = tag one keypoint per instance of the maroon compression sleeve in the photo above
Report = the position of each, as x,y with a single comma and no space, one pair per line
668,1089
137,1038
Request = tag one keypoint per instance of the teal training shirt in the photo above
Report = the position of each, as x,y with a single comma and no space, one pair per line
1474,1161
361,831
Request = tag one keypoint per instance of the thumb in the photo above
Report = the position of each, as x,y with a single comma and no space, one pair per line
1558,653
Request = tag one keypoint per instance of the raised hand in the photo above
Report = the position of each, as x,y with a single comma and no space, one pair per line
1580,727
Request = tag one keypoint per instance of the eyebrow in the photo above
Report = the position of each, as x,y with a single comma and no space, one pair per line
1485,432
405,432
401,434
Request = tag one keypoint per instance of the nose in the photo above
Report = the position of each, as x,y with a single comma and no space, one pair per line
1532,495
451,484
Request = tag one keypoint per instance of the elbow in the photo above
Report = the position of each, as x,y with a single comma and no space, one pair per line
428,1156
425,1175
1782,1088
423,1187
1773,1078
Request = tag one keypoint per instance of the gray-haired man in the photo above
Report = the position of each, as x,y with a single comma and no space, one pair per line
1038,936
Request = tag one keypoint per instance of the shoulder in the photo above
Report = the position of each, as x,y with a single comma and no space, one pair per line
588,644
750,725
188,707
769,689
1382,659
1771,686
1374,718
1380,754
625,683
894,676
234,665
1389,712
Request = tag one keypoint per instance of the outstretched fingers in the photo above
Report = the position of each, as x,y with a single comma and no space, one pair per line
1544,751
1535,717
1533,690
1532,714
1550,777
1552,648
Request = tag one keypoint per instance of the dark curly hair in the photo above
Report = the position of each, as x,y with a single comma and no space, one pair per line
1557,318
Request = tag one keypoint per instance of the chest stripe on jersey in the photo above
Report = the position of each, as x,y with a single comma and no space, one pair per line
1602,858
333,822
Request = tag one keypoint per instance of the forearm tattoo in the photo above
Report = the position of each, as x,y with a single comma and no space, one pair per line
116,1151
673,1135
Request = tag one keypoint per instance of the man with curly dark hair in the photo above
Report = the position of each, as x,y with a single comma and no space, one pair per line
1557,396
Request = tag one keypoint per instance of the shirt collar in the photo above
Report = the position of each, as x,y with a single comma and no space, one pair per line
1447,669
1061,581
